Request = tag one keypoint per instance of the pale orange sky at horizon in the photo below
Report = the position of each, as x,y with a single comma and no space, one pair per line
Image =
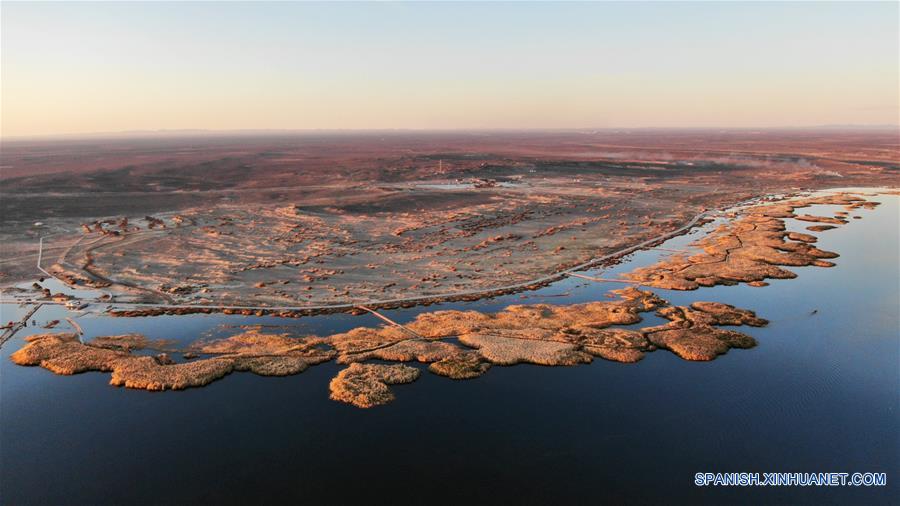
80,68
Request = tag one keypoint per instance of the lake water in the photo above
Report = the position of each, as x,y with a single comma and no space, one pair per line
818,394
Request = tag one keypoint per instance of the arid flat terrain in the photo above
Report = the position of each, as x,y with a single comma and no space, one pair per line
294,220
753,246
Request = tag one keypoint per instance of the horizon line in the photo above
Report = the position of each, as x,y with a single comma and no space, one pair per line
211,132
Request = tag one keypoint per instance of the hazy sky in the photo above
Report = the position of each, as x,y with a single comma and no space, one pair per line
92,67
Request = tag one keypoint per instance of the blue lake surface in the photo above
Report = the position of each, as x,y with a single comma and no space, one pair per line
818,394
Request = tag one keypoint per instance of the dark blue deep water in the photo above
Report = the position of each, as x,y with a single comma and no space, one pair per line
819,394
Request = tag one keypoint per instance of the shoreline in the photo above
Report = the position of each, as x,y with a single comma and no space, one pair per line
149,309
405,302
461,343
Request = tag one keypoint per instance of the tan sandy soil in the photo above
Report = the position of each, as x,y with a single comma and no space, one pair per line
314,255
463,365
128,342
148,374
509,347
407,351
693,335
537,334
699,342
749,249
366,385
254,342
65,354
712,313
821,219
798,236
300,220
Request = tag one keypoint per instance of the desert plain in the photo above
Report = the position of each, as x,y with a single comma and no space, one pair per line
297,225
291,220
